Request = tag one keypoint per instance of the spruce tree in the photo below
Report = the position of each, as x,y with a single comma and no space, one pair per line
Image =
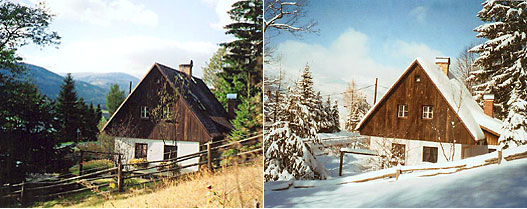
286,154
503,64
335,117
114,98
244,55
67,109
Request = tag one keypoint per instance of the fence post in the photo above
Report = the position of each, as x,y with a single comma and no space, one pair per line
397,173
22,196
341,159
499,156
209,156
80,163
120,176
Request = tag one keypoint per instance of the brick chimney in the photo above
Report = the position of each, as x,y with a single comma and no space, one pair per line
443,63
488,104
232,105
186,68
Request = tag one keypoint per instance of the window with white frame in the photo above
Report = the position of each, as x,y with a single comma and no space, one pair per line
166,112
428,112
144,112
402,111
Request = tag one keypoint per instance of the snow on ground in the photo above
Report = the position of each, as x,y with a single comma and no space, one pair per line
503,185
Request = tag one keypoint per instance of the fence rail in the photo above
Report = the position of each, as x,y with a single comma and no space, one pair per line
87,180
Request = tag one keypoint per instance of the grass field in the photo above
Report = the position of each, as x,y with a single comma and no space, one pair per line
236,186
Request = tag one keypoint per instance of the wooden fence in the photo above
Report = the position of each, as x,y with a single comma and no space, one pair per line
107,180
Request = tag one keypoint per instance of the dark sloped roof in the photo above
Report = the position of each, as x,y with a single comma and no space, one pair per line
200,100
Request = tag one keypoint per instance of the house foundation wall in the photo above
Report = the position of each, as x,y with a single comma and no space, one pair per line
414,149
155,150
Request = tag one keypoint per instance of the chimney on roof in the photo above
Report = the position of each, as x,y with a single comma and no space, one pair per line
488,104
232,105
443,63
186,68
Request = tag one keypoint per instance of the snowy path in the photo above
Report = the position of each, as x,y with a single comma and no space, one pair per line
502,185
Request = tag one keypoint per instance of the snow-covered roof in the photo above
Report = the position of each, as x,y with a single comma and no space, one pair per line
457,96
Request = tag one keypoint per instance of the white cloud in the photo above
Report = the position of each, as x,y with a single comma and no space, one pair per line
221,7
348,58
103,12
134,55
411,50
419,13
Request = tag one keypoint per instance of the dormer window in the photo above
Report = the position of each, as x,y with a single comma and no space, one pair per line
144,112
402,111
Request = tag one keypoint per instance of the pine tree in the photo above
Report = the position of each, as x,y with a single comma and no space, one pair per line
30,138
114,98
286,154
67,109
322,111
335,117
503,62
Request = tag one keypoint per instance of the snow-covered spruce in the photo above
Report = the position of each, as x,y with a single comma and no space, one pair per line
514,128
288,157
503,64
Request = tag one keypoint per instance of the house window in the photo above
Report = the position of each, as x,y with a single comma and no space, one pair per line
430,154
144,112
402,111
417,78
141,150
428,112
169,152
398,153
166,112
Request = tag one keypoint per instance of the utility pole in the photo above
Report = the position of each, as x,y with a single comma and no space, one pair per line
375,95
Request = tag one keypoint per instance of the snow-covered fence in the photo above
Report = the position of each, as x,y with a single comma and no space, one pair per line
425,170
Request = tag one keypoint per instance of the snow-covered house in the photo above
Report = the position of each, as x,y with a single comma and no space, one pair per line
182,125
430,116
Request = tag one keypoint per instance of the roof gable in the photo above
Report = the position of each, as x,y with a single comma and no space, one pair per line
197,97
456,95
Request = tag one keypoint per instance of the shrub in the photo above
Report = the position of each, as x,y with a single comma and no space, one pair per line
99,164
139,162
172,166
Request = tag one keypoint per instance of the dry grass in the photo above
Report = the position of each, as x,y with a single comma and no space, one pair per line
236,186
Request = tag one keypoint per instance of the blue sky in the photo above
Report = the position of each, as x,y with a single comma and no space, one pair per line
130,35
363,39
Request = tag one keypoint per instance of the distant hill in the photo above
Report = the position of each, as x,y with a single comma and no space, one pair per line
93,87
49,84
105,80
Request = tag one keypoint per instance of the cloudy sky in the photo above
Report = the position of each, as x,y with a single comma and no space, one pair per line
130,35
365,39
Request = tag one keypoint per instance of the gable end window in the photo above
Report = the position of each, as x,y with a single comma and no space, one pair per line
141,150
144,112
430,154
166,112
428,112
402,111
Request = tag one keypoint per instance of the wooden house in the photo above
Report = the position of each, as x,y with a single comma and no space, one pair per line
430,116
169,111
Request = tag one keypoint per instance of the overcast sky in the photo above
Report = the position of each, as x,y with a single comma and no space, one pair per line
365,39
130,35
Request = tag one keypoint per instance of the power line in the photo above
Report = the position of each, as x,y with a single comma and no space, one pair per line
349,90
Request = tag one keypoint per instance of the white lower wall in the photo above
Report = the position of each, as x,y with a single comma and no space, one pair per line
414,149
126,146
